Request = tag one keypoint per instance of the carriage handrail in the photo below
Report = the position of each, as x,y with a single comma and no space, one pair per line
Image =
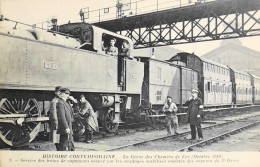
35,27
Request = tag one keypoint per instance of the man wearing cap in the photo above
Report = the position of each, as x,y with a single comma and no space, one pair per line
170,109
54,137
194,114
90,119
112,49
64,111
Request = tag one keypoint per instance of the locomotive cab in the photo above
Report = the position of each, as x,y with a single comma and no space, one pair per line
98,42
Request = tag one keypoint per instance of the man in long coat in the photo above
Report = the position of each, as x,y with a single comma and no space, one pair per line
90,119
54,137
194,114
64,113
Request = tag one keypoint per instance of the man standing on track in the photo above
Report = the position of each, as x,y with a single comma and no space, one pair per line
90,119
54,137
64,113
194,114
170,109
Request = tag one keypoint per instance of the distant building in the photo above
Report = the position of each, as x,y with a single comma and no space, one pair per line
160,53
234,54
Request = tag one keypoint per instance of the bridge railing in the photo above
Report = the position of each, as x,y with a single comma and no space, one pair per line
137,8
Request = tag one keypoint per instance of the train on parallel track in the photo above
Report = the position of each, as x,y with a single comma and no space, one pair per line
120,89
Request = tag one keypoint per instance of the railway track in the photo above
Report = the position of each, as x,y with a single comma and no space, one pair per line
190,145
138,136
158,124
217,138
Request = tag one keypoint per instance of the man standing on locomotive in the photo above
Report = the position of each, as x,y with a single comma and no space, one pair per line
170,109
64,113
194,114
54,137
90,119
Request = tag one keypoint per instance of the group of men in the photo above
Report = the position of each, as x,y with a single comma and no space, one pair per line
112,50
194,114
61,118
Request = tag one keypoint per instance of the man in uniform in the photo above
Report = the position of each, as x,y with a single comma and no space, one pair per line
54,137
64,113
194,114
170,109
90,119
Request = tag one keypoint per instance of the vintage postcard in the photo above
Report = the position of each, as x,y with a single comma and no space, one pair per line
129,83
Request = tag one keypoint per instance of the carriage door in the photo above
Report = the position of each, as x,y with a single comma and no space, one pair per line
122,73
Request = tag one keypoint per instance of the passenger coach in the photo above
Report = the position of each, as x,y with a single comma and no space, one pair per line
255,80
242,87
213,79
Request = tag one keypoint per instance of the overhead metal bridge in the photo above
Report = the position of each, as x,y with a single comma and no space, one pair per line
216,20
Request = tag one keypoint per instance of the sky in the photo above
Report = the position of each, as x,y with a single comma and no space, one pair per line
38,11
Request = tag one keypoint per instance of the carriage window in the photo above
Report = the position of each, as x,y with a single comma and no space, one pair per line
159,95
208,86
159,71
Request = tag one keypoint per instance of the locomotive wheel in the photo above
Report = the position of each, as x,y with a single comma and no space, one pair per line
108,121
15,130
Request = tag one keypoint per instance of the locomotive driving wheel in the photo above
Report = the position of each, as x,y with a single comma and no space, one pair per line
108,121
18,121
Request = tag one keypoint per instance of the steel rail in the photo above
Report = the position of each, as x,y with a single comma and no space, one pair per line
216,138
179,135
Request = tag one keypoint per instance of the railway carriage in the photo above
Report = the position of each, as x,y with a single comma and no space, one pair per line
164,79
255,80
213,79
217,84
242,87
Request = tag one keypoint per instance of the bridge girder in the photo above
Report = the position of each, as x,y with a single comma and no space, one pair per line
222,19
